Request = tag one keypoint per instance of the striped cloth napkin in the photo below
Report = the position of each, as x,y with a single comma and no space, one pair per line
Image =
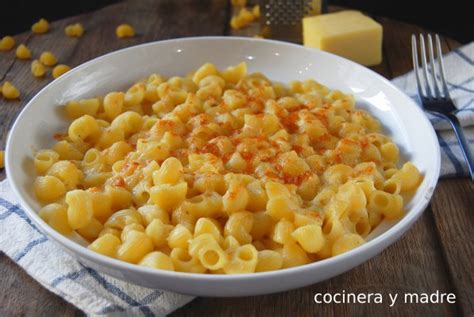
98,294
459,65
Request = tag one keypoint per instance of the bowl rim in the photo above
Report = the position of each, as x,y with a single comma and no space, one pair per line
389,235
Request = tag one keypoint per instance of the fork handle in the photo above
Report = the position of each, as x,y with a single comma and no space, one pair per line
462,142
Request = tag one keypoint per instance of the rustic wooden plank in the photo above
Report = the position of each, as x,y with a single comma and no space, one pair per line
453,44
20,295
398,51
452,207
8,58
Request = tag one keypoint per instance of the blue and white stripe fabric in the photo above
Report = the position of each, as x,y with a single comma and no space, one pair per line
459,65
98,294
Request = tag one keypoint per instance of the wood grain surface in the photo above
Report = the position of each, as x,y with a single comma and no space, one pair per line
436,254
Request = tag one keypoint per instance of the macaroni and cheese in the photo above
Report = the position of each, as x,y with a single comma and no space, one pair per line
221,172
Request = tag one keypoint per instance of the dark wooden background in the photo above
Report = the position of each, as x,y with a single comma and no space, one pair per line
452,17
436,254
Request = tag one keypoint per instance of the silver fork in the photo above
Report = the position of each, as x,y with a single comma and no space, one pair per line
434,94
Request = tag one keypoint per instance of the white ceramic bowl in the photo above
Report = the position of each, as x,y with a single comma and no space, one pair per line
402,119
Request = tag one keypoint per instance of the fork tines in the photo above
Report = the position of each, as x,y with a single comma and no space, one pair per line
433,86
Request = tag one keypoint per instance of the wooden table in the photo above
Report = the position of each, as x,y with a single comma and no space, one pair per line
436,254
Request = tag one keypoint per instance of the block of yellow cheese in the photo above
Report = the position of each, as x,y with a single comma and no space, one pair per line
347,33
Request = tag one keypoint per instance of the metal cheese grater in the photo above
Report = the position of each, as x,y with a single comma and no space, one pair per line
281,19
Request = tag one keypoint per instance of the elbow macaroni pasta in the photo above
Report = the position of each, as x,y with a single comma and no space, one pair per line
221,172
